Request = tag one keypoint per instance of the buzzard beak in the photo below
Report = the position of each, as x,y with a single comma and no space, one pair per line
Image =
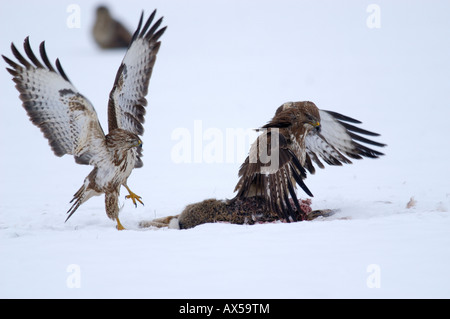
317,126
138,144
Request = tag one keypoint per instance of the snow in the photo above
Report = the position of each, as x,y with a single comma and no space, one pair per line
229,65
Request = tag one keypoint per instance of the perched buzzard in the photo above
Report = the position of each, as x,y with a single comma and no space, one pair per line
299,135
69,121
109,33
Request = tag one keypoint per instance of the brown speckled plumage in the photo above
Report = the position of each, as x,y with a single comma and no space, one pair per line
70,123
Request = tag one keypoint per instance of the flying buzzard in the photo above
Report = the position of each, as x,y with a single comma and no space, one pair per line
69,121
299,135
109,33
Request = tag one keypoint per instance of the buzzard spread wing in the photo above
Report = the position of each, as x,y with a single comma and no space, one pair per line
67,119
305,135
126,108
338,140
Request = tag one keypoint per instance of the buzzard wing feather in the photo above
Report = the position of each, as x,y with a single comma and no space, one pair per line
66,118
126,108
338,141
127,102
274,181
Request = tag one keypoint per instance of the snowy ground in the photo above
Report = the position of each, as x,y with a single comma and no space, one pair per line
229,65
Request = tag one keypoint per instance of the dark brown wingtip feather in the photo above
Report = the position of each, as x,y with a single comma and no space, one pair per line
19,56
154,27
30,53
367,152
35,63
44,57
138,29
300,183
149,31
358,130
297,164
158,34
61,71
342,117
74,208
13,64
356,137
147,24
295,168
296,203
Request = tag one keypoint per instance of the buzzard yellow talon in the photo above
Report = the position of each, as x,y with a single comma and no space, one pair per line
133,197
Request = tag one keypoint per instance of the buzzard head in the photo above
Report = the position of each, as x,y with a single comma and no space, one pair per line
311,118
123,140
134,141
300,116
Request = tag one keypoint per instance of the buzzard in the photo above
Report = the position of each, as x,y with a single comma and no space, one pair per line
109,33
299,136
70,123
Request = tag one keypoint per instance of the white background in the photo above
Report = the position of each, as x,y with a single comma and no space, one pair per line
230,64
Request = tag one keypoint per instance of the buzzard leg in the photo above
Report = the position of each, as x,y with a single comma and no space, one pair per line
119,226
133,196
